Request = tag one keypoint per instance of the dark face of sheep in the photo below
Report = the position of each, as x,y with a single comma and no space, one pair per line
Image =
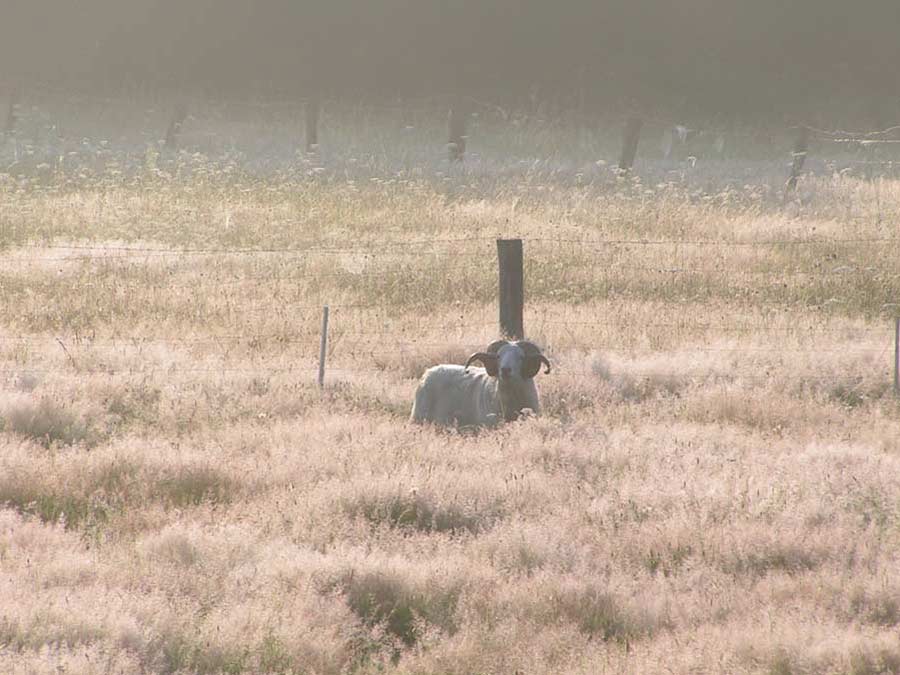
514,364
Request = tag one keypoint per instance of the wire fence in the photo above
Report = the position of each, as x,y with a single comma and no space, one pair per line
367,337
370,265
102,252
409,257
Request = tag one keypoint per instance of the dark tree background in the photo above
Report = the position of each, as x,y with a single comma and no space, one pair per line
715,55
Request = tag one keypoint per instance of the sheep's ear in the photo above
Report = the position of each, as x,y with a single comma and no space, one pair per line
533,359
531,366
492,366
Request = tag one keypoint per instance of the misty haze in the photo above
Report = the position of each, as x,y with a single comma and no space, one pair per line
511,337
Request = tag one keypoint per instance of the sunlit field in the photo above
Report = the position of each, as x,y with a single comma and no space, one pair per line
714,485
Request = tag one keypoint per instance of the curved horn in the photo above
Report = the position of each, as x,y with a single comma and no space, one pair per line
546,363
496,345
480,356
488,358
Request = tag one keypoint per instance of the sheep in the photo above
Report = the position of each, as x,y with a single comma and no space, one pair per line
452,395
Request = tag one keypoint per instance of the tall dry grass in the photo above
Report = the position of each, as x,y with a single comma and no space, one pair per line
713,486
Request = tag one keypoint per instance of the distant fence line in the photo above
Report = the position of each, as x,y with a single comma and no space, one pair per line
426,105
460,109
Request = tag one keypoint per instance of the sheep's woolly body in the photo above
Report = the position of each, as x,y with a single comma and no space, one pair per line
450,395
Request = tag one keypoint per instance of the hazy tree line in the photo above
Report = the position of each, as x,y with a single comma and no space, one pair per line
715,54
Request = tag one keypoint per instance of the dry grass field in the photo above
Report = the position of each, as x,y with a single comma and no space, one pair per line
714,486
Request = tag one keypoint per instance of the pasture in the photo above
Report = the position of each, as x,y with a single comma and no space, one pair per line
714,485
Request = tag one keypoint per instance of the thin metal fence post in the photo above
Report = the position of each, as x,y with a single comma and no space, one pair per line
175,125
801,150
313,111
323,347
897,356
458,127
11,117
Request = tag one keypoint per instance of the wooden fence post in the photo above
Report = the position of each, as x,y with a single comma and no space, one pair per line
313,110
459,122
870,152
11,118
175,125
323,347
512,288
630,144
801,149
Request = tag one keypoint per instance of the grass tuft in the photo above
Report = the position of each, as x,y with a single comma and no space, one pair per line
878,608
781,663
134,405
773,557
422,511
53,505
191,485
178,654
881,661
51,424
598,614
402,607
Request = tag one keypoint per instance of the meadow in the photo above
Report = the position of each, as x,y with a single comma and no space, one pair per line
714,485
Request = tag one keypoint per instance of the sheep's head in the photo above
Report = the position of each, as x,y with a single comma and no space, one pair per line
514,364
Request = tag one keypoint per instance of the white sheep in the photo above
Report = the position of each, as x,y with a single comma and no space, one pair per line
503,390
